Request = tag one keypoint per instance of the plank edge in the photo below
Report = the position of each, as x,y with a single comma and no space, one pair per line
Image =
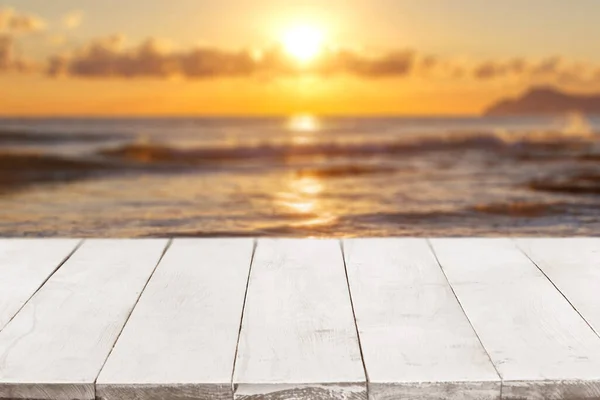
468,390
329,390
551,389
47,391
158,391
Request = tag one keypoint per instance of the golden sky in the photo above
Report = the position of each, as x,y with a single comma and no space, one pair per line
257,57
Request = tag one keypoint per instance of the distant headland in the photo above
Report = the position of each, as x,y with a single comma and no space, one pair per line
546,100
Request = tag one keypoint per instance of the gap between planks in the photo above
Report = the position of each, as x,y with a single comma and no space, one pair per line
349,293
539,343
237,344
360,347
168,245
36,364
555,286
310,348
77,246
465,314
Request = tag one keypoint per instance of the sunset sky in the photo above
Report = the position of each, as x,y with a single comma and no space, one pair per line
257,57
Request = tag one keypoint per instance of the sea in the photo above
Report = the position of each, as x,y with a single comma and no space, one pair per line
300,176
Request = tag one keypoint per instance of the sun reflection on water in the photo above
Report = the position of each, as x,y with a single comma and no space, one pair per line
302,197
303,128
304,123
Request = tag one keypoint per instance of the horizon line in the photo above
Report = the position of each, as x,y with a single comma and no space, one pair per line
243,116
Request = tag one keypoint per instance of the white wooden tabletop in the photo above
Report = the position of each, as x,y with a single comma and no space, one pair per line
274,319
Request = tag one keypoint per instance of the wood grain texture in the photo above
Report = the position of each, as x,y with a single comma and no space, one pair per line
181,339
187,391
573,265
298,338
56,345
540,345
25,264
297,391
416,341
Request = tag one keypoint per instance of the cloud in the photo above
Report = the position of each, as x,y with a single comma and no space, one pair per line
6,52
393,64
109,57
500,69
552,69
9,61
112,57
434,67
14,22
73,19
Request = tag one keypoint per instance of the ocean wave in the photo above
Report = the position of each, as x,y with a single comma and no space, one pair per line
522,209
519,145
340,171
21,169
511,209
499,220
578,183
38,138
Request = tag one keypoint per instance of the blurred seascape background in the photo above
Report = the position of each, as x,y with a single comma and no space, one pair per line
300,176
300,118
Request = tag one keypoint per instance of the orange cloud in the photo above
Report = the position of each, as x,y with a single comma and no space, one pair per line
553,69
9,61
111,57
108,57
14,22
500,69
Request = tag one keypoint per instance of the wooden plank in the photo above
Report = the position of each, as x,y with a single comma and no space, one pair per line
539,344
573,265
416,341
298,338
56,345
181,339
25,264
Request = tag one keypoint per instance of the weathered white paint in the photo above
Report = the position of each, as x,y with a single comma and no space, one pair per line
416,341
25,264
573,265
540,345
298,338
180,341
56,345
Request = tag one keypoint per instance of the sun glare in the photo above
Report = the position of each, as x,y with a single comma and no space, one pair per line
303,42
304,123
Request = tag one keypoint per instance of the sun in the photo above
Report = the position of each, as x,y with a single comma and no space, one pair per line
303,42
